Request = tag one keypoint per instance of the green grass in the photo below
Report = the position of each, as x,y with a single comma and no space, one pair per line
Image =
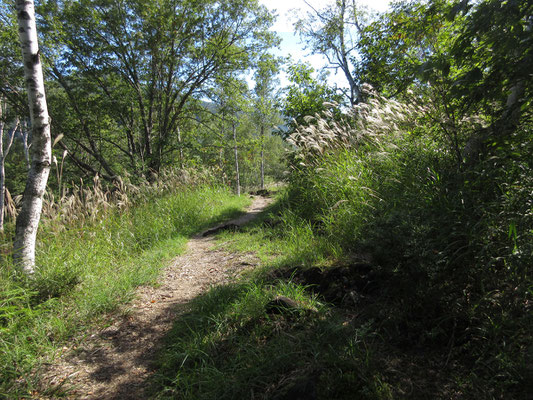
229,346
417,274
85,272
279,237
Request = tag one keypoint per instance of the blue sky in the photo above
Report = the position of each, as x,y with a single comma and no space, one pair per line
288,11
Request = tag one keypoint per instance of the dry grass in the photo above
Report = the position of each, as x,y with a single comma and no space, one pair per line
83,203
10,205
368,122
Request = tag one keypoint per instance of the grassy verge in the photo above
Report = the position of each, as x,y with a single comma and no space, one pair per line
86,271
402,292
233,345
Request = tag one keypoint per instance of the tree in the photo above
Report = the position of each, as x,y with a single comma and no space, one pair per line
470,62
137,64
232,101
30,213
493,52
306,95
394,47
333,32
407,49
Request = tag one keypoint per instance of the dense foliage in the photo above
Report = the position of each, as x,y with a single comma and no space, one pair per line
405,235
450,251
431,189
130,84
305,95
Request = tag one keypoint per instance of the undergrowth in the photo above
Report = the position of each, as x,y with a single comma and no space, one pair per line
88,266
229,347
414,271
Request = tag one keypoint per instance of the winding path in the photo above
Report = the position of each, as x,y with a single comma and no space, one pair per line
116,362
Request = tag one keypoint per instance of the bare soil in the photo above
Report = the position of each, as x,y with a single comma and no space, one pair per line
117,361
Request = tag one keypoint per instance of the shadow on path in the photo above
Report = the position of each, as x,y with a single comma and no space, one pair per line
116,362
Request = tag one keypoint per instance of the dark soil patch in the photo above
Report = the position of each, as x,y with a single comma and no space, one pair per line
344,285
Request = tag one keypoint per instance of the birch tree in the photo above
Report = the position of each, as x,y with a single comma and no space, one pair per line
334,32
41,149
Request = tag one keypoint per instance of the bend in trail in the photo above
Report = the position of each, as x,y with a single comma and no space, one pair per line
116,362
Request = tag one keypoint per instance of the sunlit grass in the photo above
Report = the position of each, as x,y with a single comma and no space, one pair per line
279,237
431,269
86,271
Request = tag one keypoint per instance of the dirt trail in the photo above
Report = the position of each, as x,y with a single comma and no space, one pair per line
116,362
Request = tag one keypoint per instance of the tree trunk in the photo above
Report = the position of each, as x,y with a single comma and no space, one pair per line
262,157
180,147
30,213
355,95
24,133
238,178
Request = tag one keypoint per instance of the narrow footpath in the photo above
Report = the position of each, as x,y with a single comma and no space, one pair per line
116,362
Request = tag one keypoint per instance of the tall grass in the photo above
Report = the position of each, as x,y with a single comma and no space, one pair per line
93,250
455,242
416,270
410,301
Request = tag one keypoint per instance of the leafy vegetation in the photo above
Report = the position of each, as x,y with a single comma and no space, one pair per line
395,299
407,220
90,263
306,95
130,86
448,268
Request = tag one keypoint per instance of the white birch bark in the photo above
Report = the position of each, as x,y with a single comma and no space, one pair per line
24,133
41,149
180,144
